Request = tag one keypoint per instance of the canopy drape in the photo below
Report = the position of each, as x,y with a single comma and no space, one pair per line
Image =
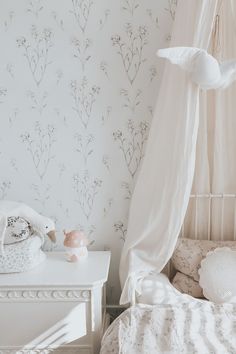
163,187
215,170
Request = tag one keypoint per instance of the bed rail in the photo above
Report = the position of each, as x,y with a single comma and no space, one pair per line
219,201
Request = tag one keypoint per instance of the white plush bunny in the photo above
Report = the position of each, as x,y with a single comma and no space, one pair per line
39,223
203,68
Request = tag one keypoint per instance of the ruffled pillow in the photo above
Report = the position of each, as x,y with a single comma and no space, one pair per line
218,276
187,285
189,254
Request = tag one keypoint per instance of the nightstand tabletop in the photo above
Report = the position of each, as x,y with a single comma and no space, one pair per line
56,271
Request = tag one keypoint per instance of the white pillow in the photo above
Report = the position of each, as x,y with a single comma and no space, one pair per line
218,275
189,253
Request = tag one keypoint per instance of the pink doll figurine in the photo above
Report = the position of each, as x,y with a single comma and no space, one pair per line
76,245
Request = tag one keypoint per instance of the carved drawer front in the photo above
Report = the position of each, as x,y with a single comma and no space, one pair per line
35,295
55,307
40,320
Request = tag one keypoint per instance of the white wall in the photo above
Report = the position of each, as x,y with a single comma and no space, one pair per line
77,94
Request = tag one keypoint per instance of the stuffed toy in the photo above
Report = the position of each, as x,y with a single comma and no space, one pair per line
203,68
76,244
39,224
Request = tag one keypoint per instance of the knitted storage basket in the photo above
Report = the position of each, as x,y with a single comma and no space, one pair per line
22,256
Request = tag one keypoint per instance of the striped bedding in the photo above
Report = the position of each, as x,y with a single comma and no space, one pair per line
186,326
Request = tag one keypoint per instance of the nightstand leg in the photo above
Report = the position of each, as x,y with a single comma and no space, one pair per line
96,318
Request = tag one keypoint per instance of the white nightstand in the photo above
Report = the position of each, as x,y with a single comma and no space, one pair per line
57,305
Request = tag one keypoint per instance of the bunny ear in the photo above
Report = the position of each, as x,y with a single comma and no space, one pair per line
3,226
182,56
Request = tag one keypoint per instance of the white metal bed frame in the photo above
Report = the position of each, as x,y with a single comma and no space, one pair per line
223,198
208,197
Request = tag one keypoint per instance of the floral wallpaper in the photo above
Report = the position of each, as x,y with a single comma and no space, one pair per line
78,84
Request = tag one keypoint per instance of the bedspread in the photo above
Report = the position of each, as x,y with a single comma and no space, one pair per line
187,326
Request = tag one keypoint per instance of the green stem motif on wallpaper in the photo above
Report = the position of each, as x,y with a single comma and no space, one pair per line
107,207
37,52
13,116
9,21
59,22
121,229
42,193
40,147
84,146
106,115
35,7
127,188
131,99
130,6
153,19
103,21
152,72
86,189
37,102
5,186
81,11
84,99
10,69
132,146
106,162
81,51
131,50
104,68
3,94
171,9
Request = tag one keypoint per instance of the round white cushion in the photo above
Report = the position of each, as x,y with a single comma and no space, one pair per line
218,275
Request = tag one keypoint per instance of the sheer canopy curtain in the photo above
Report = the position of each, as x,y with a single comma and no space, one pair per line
164,183
223,177
215,170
